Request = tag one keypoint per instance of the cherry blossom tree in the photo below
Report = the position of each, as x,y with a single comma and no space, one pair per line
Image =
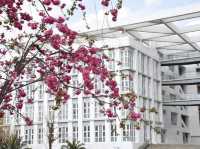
38,45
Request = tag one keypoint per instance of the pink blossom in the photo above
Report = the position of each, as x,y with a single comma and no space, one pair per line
134,116
66,79
48,33
33,25
81,6
55,41
48,20
30,101
52,82
21,93
47,2
28,121
55,2
19,105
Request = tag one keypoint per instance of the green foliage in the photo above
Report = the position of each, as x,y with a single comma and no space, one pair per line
10,142
73,145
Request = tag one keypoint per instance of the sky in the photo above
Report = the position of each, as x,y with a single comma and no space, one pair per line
132,11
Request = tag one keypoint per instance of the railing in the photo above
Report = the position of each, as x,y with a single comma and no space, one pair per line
182,56
193,96
191,75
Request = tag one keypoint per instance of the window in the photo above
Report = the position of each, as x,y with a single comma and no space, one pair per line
74,84
127,57
63,113
29,111
86,108
143,86
174,118
185,138
99,132
63,133
86,132
154,69
156,89
199,113
29,135
163,136
127,83
40,111
7,117
149,87
74,108
113,129
140,82
139,61
17,117
97,109
30,91
75,131
157,116
148,66
185,120
198,70
128,132
41,91
111,63
142,62
198,89
99,85
51,112
40,134
18,131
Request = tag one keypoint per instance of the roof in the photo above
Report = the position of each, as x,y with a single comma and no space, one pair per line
171,35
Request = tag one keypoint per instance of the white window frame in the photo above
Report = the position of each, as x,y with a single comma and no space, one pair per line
99,132
63,133
127,57
29,135
97,109
50,110
86,132
29,111
40,111
75,109
113,131
111,63
40,134
41,91
63,112
75,131
128,132
86,108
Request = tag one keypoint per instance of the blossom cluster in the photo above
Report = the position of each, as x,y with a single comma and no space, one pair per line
44,51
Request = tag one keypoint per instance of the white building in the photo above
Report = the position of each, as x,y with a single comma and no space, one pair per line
80,118
192,92
176,119
137,46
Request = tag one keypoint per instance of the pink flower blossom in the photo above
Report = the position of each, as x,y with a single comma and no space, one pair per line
46,2
21,93
52,82
55,2
28,121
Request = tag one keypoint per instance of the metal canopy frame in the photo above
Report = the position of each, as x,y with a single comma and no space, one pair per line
170,35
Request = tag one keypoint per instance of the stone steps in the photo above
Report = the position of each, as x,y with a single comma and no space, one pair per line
173,146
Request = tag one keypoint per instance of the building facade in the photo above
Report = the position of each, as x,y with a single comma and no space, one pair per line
80,118
192,92
176,119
